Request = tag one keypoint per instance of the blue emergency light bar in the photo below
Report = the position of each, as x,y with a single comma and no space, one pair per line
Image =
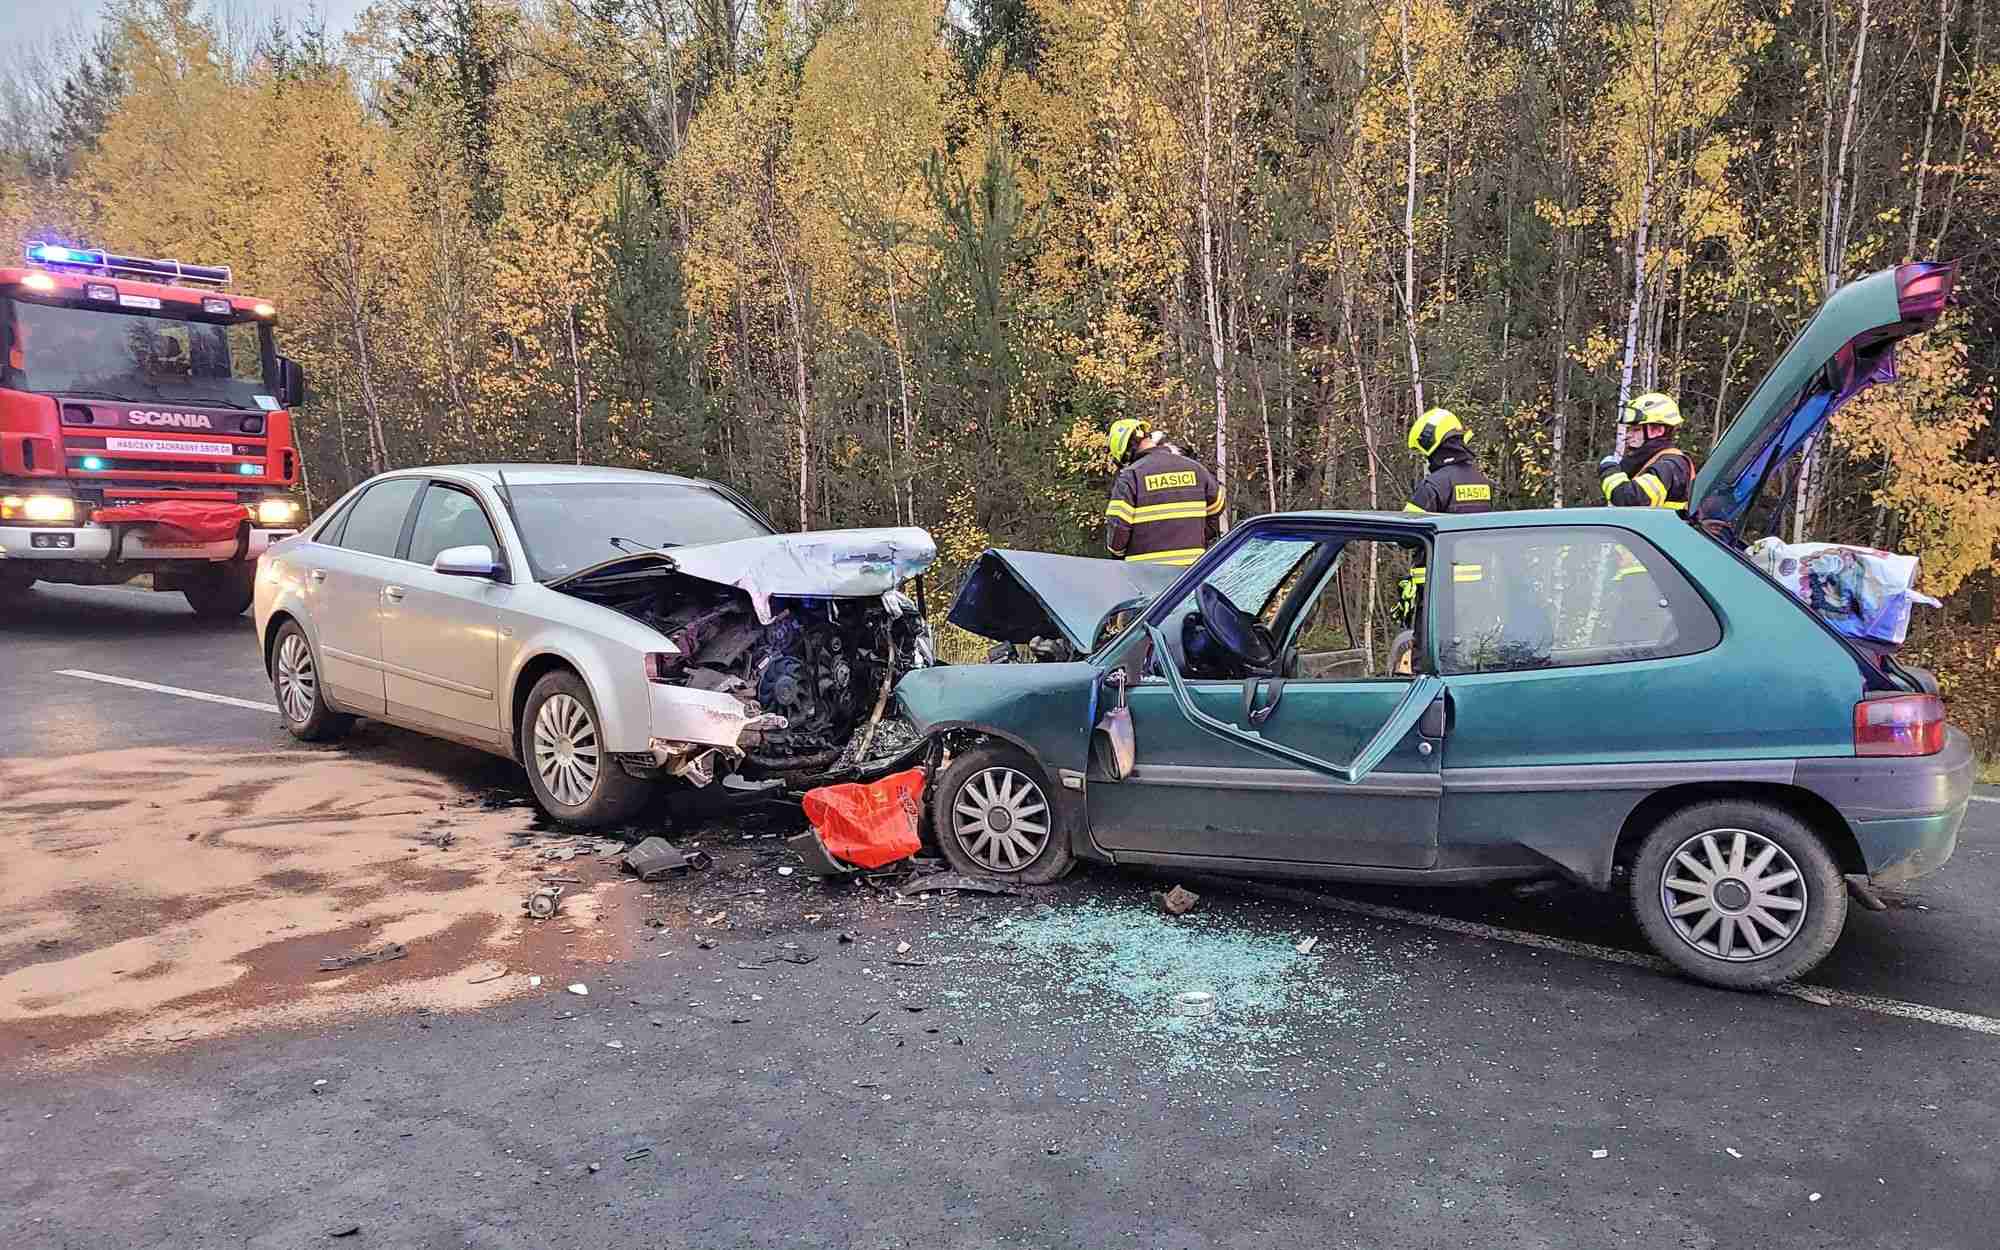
111,265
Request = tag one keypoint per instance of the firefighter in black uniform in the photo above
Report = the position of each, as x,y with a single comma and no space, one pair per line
1165,508
1651,472
1453,484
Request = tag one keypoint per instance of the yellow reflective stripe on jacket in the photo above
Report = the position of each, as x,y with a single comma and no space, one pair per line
1613,483
1119,510
1180,555
1215,508
1410,507
1418,574
1193,509
1655,489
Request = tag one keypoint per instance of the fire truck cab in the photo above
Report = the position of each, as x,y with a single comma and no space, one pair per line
144,427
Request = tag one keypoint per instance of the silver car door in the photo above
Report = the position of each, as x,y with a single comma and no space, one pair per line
440,632
344,592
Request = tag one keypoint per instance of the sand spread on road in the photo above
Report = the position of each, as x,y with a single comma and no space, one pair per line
154,896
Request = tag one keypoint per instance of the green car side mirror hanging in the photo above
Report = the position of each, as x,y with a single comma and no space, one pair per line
1121,747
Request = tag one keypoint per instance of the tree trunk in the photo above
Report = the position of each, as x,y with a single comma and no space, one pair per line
1409,227
1211,299
1930,126
903,386
575,377
799,394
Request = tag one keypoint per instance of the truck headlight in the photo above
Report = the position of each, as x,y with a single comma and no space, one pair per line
277,512
41,509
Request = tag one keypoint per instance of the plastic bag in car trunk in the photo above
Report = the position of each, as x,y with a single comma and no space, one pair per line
1863,593
869,824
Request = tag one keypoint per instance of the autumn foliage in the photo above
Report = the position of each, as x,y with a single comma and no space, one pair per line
874,260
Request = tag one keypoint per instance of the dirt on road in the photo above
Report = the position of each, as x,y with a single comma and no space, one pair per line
155,896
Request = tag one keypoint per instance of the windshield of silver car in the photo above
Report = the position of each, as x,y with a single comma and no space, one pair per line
577,524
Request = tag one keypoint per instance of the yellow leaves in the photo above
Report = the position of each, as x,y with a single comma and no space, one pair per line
1919,431
1596,351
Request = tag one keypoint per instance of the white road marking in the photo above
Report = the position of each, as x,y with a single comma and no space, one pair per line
1815,994
156,688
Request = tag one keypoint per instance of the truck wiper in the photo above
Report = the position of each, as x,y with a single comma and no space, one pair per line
627,544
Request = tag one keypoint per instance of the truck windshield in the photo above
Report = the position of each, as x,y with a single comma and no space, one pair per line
572,526
115,354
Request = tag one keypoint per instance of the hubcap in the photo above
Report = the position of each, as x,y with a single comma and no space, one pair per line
1734,895
297,679
566,755
1001,819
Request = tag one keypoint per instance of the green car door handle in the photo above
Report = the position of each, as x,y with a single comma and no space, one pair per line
1423,691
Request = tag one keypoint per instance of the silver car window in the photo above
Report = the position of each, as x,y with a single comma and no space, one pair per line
375,522
447,518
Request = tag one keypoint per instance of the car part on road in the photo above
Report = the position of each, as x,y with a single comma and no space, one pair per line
572,778
1178,901
656,857
1739,894
295,682
334,963
1863,892
992,817
1194,1003
544,902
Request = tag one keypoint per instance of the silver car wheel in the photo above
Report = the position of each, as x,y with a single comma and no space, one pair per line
566,754
1001,819
1739,904
296,678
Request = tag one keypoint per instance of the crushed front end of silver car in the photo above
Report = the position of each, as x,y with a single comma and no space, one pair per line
779,653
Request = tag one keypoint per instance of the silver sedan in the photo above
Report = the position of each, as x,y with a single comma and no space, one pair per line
609,629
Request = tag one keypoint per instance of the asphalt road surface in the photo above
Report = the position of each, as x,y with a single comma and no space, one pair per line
1443,1069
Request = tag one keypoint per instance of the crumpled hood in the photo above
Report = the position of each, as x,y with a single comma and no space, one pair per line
1018,596
823,563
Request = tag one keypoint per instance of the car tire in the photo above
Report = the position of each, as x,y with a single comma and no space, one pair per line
296,688
1711,873
1401,653
574,779
993,816
221,592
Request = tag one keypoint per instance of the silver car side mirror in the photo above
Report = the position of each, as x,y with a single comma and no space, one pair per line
466,562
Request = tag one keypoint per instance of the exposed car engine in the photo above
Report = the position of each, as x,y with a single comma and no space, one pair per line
825,665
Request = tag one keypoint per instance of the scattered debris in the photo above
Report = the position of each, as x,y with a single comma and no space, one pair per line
493,976
1732,1152
954,881
800,958
1812,1197
534,983
594,1167
869,824
1194,1003
1600,1154
1178,901
47,944
343,1230
656,857
334,963
785,870
544,902
443,840
638,1154
1306,947
909,963
615,1045
809,848
847,939
580,988
902,948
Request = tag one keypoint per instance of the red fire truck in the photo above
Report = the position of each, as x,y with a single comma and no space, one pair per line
143,427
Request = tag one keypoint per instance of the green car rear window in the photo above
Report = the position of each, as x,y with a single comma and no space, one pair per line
1563,597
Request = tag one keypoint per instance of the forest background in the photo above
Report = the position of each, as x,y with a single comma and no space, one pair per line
880,261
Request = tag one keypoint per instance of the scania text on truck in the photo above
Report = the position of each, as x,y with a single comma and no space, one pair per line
144,427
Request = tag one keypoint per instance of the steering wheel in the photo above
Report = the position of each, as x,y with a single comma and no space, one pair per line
1239,633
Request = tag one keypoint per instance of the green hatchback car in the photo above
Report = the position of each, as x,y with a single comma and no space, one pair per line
1605,695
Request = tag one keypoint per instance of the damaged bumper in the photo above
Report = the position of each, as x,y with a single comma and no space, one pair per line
1905,811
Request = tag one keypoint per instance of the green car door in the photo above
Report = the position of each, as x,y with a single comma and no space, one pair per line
1323,767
